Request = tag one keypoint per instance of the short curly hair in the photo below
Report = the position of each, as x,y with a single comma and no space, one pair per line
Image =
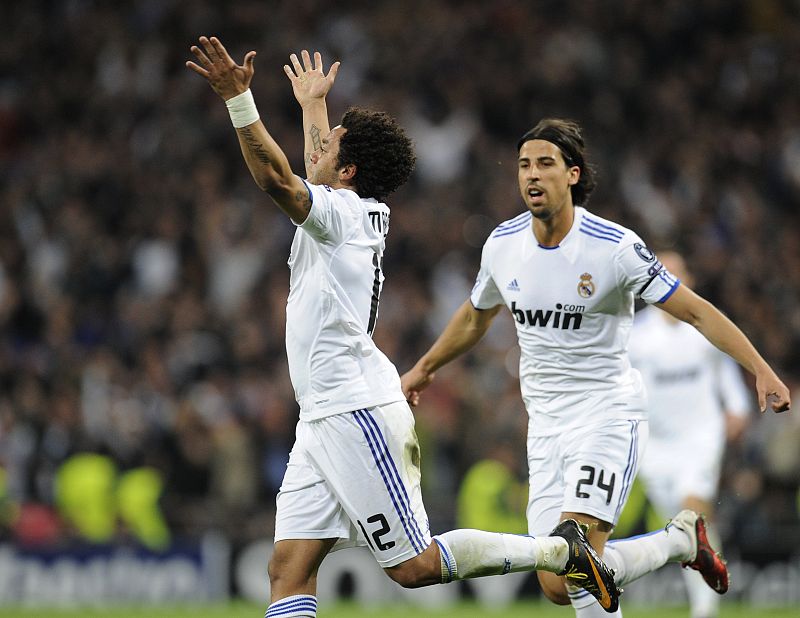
566,134
379,148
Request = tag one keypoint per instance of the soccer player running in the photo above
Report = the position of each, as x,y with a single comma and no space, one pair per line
696,396
569,279
353,475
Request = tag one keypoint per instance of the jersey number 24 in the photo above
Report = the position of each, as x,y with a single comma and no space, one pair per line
592,478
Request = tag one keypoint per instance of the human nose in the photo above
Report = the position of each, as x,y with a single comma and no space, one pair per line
314,157
532,173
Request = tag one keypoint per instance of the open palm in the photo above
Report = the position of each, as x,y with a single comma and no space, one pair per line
310,82
227,78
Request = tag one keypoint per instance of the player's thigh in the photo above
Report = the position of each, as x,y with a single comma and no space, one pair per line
599,467
370,459
675,471
307,507
700,465
588,470
545,485
659,473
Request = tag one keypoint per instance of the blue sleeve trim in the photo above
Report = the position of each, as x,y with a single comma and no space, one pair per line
311,197
308,188
671,292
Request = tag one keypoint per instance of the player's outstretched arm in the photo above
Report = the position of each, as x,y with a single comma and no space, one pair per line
735,397
685,305
311,85
467,326
265,159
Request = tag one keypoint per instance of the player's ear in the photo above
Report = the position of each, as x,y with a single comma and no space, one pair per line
348,172
574,175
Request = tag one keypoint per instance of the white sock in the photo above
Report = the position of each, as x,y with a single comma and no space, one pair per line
632,558
474,553
586,606
295,606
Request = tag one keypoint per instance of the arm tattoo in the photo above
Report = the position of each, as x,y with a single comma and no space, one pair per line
314,132
301,197
255,146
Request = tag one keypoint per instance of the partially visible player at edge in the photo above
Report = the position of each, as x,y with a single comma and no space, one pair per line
569,279
353,475
696,397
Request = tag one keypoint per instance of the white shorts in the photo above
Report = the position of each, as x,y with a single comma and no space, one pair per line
589,470
356,477
674,470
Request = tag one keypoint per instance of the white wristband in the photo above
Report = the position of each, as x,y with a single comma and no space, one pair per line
242,109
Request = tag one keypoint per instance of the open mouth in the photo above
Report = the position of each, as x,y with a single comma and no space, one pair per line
535,192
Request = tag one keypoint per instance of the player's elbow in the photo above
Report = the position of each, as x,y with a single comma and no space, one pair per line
691,318
271,182
700,314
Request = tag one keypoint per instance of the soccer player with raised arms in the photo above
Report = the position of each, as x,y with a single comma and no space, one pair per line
353,475
690,384
569,278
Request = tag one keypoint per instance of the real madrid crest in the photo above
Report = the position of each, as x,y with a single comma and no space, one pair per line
586,286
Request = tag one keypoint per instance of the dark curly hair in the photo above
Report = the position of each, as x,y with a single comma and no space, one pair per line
381,151
566,134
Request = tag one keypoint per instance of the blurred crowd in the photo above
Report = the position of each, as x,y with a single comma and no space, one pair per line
143,276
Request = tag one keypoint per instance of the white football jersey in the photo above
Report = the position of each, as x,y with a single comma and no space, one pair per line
690,383
334,289
573,310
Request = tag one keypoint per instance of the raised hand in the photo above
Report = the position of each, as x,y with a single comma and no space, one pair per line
310,83
227,78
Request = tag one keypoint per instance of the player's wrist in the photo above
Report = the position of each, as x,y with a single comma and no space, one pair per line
315,103
242,109
426,369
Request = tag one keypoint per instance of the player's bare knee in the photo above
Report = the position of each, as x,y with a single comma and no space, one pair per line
286,572
559,597
416,572
407,578
276,569
553,588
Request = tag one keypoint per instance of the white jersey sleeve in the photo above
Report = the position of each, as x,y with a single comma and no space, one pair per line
639,271
732,388
485,294
329,219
